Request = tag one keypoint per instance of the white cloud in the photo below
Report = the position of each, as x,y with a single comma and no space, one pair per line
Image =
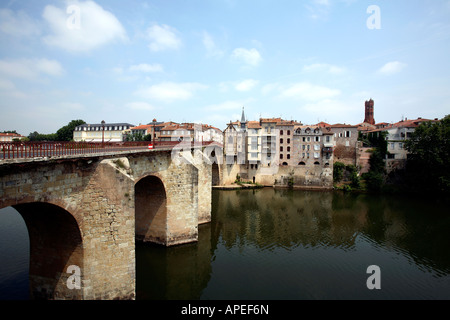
251,57
392,68
210,46
170,91
139,106
96,27
246,85
30,69
319,9
163,38
324,68
307,91
147,68
18,24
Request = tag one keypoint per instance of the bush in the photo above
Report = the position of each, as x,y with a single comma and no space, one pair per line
374,181
338,171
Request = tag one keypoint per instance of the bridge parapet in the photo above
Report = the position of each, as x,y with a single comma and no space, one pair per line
99,192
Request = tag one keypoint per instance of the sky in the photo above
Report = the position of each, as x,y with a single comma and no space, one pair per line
202,61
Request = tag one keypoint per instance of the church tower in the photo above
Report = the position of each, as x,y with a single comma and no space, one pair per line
369,112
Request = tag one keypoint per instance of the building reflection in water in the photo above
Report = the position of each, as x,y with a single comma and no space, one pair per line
258,231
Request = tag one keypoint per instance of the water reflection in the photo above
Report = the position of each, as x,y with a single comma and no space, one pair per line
287,244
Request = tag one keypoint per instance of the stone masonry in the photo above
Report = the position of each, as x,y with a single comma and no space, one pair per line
81,211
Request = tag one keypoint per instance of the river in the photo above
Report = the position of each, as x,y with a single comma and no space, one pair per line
283,244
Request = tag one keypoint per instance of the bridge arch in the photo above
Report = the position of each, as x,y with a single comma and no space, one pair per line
150,209
55,244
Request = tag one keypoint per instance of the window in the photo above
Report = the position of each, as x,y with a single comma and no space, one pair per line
400,145
288,149
288,156
327,138
281,140
317,139
303,154
316,147
281,148
392,145
289,132
281,132
303,147
304,139
309,139
307,147
288,140
281,156
316,155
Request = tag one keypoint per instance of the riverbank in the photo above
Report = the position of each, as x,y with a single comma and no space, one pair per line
258,186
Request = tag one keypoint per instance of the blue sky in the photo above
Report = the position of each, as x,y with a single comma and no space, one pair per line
202,61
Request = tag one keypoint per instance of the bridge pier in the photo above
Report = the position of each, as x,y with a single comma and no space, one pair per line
88,212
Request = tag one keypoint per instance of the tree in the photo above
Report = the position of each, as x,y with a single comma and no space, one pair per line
338,171
66,133
36,136
429,147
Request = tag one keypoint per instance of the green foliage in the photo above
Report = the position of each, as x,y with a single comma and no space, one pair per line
352,171
66,133
429,146
63,134
338,171
36,136
291,182
374,181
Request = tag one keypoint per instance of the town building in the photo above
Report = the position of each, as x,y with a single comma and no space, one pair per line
396,136
10,137
278,152
153,129
193,132
345,143
102,132
369,112
313,146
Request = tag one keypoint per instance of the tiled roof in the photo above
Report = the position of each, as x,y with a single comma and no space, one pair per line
340,125
253,125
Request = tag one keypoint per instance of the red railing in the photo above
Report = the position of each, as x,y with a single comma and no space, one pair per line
17,150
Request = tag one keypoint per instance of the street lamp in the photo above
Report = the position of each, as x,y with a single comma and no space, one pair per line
103,133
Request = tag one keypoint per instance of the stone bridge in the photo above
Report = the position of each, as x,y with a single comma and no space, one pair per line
84,214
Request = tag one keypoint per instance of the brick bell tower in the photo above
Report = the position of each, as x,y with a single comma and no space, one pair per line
369,112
